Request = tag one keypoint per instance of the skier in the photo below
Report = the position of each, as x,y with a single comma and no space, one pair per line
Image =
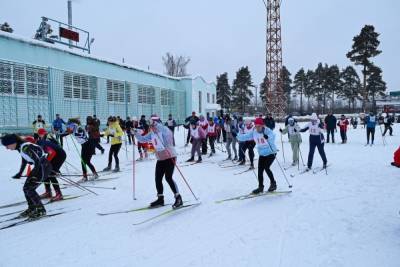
128,129
269,121
248,143
264,138
171,124
30,154
293,129
370,121
143,129
330,122
57,128
93,131
203,124
187,125
388,122
74,127
161,138
56,156
197,135
212,131
316,140
115,132
240,128
230,138
37,124
343,124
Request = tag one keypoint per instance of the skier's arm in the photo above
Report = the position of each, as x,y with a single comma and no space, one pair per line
245,136
21,169
284,130
143,138
304,129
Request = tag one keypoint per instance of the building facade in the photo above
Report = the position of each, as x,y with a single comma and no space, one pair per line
39,78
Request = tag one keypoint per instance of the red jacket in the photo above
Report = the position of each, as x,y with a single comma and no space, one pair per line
397,157
343,124
210,131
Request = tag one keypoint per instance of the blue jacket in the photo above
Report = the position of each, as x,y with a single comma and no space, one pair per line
263,150
58,124
370,121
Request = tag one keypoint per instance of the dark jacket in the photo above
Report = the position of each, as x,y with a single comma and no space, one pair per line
330,122
269,122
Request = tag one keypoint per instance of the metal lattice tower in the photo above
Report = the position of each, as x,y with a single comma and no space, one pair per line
275,97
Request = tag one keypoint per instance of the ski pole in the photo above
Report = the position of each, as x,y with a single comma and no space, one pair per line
254,172
86,186
133,171
301,156
283,150
383,137
76,185
283,172
126,147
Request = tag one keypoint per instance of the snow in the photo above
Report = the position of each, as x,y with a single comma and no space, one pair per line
349,217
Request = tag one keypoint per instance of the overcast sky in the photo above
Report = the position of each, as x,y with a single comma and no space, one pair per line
221,35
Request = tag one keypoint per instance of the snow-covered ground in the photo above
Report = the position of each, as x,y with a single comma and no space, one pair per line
349,217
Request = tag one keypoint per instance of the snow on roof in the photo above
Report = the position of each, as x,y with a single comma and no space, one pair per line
82,54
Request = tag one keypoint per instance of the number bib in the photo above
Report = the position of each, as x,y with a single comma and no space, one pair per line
260,139
211,129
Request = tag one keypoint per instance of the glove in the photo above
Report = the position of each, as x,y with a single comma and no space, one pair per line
295,130
281,129
17,176
111,135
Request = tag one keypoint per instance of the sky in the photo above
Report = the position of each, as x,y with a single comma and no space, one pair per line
221,35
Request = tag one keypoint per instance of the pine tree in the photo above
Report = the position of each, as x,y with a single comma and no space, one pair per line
300,83
224,92
333,83
365,46
375,84
309,87
320,86
351,86
241,94
263,90
287,85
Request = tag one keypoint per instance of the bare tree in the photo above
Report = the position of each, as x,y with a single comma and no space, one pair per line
175,65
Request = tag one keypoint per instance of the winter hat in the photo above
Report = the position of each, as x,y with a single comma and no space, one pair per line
42,131
314,117
247,121
259,122
290,120
154,119
9,139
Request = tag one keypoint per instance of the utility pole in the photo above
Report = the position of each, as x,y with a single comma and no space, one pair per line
70,19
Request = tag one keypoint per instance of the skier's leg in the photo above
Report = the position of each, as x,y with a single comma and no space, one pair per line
169,171
372,135
251,152
322,152
159,173
261,167
269,160
311,154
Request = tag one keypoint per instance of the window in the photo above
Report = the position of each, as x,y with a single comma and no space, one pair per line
213,98
37,82
19,80
115,91
167,97
5,78
146,95
79,86
200,102
208,97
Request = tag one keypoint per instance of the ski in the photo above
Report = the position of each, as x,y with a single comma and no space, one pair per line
28,220
167,212
131,210
251,195
247,170
319,169
189,164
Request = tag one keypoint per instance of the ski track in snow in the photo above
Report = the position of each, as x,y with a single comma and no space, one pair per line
349,217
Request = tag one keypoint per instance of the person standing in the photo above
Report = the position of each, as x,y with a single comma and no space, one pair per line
249,144
343,124
370,122
93,131
57,128
388,122
203,124
293,130
330,122
188,121
171,124
316,140
128,129
161,138
56,156
212,133
115,132
37,124
269,121
264,138
78,132
197,135
33,155
230,138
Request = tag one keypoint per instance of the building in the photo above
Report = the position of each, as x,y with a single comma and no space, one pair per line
40,78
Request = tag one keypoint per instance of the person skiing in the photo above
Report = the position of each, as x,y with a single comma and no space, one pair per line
343,124
330,122
230,138
37,124
143,129
269,121
293,130
161,138
128,129
115,132
203,124
30,154
78,132
171,124
264,138
370,122
188,120
249,143
212,132
316,140
197,135
388,122
57,128
240,128
56,156
93,132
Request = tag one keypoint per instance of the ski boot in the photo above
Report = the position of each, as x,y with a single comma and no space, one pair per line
229,158
178,202
106,169
242,162
46,194
157,203
235,158
190,160
116,169
84,178
26,213
251,166
94,176
57,197
258,190
272,187
199,160
39,211
294,163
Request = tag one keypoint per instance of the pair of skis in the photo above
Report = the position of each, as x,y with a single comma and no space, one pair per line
251,195
313,171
